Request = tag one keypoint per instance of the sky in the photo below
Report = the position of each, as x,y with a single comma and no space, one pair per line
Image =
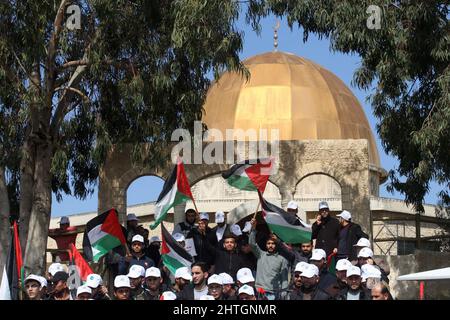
147,188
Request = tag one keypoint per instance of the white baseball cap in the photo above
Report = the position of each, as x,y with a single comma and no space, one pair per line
247,227
55,267
353,271
370,271
35,278
301,266
318,254
136,271
343,265
236,230
153,272
154,239
292,205
226,278
64,220
246,289
184,273
122,282
220,217
137,238
83,289
207,297
244,275
179,237
215,278
323,205
310,271
94,280
347,216
44,282
363,242
204,216
132,217
365,253
168,295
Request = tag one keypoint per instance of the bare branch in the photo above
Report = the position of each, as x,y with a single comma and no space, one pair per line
75,90
37,85
74,63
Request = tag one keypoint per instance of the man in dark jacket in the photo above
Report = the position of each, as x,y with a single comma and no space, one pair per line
325,230
186,226
354,290
349,234
228,259
137,256
204,248
199,287
306,285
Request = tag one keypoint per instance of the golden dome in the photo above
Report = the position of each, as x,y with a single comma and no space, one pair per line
286,92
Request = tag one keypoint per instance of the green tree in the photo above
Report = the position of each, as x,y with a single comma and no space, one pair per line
133,72
408,58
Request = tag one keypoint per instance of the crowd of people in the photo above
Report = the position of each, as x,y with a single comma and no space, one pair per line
234,263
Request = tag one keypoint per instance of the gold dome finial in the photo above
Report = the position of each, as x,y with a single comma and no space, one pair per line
275,36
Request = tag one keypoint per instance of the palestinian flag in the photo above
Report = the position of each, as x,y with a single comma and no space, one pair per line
173,255
331,263
176,190
286,226
250,175
102,234
76,259
13,272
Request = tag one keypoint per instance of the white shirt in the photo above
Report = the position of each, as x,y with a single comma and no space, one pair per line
200,293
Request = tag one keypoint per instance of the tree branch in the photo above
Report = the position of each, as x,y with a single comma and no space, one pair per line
37,85
74,63
77,91
50,65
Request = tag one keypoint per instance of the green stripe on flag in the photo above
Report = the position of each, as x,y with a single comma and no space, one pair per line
289,234
179,199
102,246
171,263
241,182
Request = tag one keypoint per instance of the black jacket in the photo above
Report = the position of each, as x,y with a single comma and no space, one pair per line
187,293
226,232
204,247
326,234
364,294
229,262
317,294
353,235
327,281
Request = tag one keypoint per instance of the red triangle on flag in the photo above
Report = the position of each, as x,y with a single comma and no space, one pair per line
112,226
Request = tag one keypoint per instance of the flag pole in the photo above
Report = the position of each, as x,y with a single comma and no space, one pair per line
257,208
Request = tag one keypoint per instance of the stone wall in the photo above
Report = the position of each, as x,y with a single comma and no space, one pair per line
420,261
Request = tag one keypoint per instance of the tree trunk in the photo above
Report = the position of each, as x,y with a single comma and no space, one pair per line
40,211
27,165
4,220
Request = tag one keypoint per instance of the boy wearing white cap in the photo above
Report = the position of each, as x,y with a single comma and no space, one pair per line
229,291
349,234
84,293
99,291
137,256
215,287
136,275
33,287
122,288
246,292
154,286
